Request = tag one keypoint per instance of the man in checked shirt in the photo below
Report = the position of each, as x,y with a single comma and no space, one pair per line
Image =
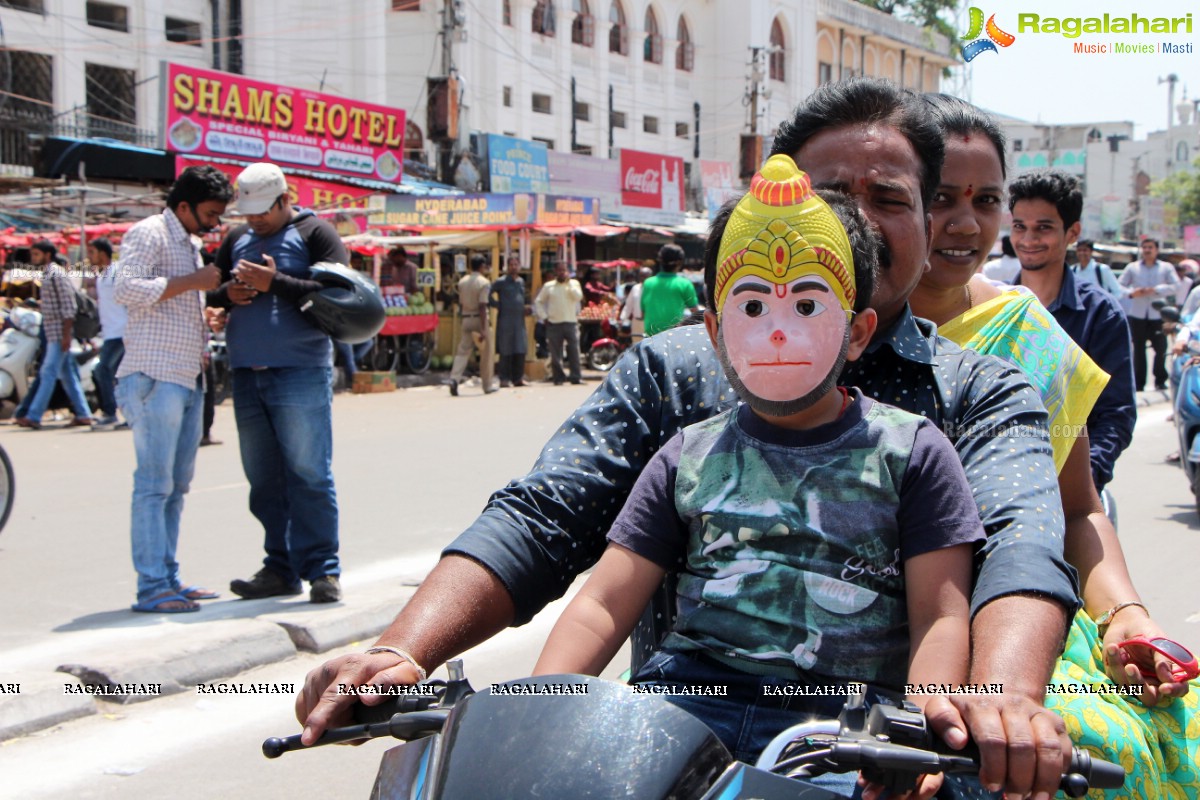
161,389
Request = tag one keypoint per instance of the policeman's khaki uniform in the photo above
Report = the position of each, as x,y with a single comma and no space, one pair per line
473,291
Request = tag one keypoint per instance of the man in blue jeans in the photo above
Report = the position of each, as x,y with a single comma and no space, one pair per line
58,307
161,280
282,395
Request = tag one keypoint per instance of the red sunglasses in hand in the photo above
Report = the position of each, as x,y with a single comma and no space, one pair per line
1186,669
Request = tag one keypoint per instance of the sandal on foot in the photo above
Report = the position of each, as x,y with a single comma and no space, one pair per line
155,605
198,593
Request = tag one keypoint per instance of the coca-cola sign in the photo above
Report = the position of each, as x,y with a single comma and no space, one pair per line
645,182
651,180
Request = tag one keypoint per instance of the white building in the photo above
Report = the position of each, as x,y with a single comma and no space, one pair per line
676,77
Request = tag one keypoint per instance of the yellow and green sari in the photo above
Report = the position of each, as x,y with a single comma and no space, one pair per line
1159,747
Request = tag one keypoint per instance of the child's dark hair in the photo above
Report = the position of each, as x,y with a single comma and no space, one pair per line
1057,188
864,244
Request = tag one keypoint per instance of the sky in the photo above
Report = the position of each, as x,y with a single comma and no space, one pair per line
1038,77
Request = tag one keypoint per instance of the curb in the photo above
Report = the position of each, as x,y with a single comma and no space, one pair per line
1152,398
319,631
195,654
38,701
180,659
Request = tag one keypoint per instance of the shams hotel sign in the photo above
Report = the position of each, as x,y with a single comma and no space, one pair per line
1106,34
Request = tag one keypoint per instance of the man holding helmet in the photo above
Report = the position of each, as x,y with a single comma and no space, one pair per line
282,375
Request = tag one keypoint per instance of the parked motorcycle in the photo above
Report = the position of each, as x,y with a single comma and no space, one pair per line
18,353
607,346
569,736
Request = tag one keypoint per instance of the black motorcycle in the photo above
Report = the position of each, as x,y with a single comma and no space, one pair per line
569,736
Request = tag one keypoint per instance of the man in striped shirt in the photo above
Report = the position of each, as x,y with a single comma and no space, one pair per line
162,281
58,306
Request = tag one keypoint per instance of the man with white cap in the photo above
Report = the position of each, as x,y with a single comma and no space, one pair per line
282,395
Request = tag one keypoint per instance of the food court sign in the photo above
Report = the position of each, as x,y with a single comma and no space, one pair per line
209,113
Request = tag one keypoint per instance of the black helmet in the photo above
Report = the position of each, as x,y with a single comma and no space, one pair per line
349,308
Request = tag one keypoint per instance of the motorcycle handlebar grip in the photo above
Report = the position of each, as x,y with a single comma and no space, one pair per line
276,746
1100,774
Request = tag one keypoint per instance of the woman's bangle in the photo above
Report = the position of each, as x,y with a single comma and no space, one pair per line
1105,618
402,655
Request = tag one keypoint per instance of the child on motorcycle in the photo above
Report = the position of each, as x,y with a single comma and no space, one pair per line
820,537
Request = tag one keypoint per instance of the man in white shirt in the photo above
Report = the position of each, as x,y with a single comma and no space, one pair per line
1146,280
558,303
631,309
1007,267
113,317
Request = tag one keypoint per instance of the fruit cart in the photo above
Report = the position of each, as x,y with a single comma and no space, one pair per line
407,337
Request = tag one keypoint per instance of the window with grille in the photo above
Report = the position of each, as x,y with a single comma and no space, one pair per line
111,101
778,54
108,15
681,130
685,52
618,119
548,142
35,6
583,25
542,103
29,77
507,92
824,72
506,13
650,124
406,5
617,34
583,149
543,18
652,46
583,111
183,31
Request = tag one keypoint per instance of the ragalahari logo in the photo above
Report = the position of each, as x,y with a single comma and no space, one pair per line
995,36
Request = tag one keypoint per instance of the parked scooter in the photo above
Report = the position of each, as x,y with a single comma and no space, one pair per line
572,736
1185,383
18,354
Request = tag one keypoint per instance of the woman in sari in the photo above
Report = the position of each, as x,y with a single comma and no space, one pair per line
1156,736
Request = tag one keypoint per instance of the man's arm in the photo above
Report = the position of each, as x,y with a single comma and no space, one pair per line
1111,422
1025,591
139,283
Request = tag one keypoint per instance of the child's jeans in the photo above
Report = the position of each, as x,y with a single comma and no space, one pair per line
755,711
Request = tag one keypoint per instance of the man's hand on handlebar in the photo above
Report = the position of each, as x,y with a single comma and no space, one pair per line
320,705
927,786
1022,745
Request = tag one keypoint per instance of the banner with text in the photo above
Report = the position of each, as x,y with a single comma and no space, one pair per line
651,188
306,193
487,211
517,165
209,113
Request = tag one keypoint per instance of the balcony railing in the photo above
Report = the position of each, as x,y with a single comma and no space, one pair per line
873,21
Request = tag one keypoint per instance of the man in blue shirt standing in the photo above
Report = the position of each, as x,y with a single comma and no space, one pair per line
1046,207
1145,281
282,376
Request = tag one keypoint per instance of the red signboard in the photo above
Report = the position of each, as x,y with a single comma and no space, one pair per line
650,180
209,113
305,192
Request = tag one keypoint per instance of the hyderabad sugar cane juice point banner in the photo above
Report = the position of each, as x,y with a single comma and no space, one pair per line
487,211
209,113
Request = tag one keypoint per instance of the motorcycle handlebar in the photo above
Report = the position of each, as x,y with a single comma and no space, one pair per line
404,726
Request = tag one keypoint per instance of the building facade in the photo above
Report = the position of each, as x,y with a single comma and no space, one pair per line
683,78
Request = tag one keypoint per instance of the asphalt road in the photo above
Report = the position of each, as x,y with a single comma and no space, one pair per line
413,468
